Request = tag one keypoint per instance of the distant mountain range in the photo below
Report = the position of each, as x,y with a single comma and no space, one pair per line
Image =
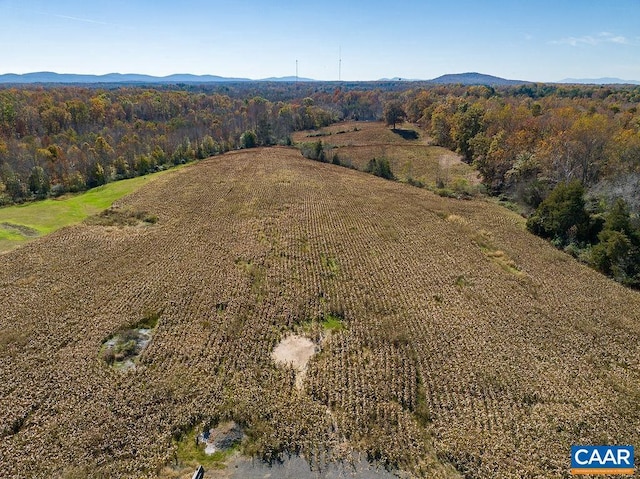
599,81
50,77
469,78
129,78
285,79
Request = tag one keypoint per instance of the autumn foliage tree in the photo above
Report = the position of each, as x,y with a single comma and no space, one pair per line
393,113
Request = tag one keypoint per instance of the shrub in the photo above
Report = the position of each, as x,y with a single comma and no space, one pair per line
380,167
313,151
57,190
248,139
562,216
462,187
414,182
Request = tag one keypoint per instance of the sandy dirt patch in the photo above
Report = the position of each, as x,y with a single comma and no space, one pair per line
295,351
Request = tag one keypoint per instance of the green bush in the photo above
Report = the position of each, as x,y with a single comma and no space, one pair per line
380,167
414,182
462,188
563,219
248,139
562,216
617,253
313,151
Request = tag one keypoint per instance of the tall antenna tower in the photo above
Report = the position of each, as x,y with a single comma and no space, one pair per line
340,63
296,71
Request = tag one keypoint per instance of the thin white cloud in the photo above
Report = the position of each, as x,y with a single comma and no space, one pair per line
78,19
592,40
613,38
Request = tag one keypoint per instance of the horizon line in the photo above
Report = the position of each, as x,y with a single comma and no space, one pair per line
594,80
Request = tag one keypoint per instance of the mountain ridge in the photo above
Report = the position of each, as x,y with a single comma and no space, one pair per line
475,78
600,81
53,77
469,78
466,78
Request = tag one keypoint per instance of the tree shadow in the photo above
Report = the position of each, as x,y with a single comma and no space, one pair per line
406,134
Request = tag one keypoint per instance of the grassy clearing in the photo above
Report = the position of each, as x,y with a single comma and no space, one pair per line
352,133
10,239
47,216
332,322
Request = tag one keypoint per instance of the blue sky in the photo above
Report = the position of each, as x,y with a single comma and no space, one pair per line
536,40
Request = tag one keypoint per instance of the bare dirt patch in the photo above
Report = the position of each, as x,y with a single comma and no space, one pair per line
295,351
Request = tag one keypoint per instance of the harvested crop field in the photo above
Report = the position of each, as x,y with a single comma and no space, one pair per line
450,363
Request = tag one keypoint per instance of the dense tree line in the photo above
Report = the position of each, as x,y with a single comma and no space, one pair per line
609,242
525,140
55,140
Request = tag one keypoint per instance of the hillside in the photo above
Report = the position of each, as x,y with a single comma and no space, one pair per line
409,151
473,78
445,335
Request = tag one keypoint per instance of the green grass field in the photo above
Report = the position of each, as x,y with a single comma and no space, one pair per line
22,223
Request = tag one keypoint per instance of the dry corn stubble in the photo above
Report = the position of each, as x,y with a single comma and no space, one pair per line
497,374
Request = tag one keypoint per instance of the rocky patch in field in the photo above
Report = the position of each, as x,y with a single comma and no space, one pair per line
221,438
122,349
